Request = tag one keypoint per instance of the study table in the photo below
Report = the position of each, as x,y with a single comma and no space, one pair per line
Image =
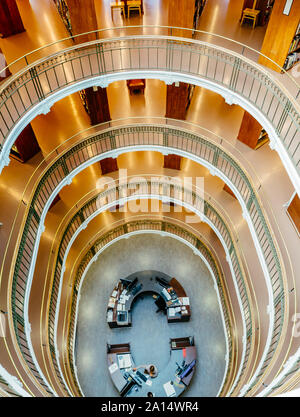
171,381
170,297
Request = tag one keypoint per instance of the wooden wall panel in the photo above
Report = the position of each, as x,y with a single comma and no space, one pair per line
97,103
108,165
27,144
294,212
228,190
172,161
279,34
83,19
181,14
249,131
56,200
177,98
10,19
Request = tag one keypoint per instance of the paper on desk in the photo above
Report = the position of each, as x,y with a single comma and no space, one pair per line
168,387
172,312
148,382
185,301
124,361
112,368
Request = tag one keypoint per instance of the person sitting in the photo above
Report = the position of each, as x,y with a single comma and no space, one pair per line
148,369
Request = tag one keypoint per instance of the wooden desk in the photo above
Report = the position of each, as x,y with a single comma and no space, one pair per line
121,297
171,373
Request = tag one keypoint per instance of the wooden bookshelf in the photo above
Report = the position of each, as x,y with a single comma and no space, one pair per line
251,132
199,6
181,14
64,13
293,55
95,102
191,88
10,19
172,161
229,191
108,165
178,97
56,200
25,146
83,18
280,35
293,211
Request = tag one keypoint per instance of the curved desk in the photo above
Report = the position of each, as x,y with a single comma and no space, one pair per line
171,298
172,381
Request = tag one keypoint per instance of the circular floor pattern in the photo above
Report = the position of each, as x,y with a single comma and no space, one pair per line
149,253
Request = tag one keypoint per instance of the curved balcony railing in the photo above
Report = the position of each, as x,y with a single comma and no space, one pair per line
92,207
160,138
10,386
34,89
287,378
148,225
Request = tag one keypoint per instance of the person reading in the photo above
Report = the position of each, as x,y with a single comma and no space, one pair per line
148,369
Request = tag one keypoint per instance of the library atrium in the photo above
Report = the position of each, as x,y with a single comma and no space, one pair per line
149,198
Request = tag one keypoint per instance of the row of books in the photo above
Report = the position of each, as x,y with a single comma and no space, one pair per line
291,60
293,56
295,43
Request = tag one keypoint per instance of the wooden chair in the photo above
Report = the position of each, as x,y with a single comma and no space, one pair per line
134,5
117,5
251,14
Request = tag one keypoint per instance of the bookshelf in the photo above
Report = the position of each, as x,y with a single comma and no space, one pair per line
95,102
229,191
293,55
172,161
10,19
63,10
281,39
25,146
251,132
199,6
293,211
82,94
191,88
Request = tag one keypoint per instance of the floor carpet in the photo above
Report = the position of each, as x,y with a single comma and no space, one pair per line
150,331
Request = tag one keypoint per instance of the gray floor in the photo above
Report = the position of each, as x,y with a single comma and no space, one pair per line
150,332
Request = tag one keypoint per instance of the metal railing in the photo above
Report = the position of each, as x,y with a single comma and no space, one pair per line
7,389
287,379
10,386
157,137
37,86
85,213
147,225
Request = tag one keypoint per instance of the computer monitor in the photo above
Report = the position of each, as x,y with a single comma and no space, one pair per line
188,369
122,316
125,282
